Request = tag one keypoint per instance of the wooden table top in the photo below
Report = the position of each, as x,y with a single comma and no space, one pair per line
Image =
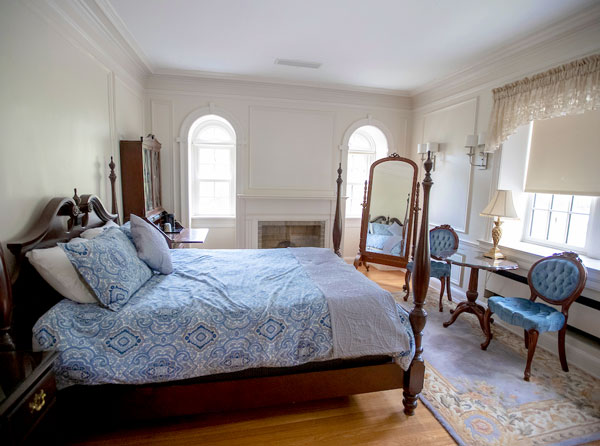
189,235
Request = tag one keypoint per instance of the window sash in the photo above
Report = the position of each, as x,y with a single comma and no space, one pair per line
197,179
533,207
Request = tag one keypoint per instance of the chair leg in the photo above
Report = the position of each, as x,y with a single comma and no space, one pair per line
442,289
407,284
526,338
561,348
488,329
448,289
533,337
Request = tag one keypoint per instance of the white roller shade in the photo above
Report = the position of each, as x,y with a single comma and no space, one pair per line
564,156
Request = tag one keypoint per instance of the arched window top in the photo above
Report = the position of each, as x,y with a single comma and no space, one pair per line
370,139
212,129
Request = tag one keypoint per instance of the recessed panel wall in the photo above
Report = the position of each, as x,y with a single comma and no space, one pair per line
291,150
452,177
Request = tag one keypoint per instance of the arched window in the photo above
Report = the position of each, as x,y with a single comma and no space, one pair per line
212,143
366,145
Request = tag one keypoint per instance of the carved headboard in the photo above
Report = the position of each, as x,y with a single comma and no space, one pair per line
61,220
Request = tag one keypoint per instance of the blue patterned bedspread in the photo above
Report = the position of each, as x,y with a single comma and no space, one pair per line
220,311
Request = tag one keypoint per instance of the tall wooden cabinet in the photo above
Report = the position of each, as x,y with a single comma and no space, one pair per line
140,178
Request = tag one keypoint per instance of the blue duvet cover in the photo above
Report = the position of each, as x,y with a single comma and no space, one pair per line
220,311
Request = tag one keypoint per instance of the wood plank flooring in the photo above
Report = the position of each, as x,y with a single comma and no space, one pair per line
374,419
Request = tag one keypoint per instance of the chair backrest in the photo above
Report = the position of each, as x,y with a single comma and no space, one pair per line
558,279
443,241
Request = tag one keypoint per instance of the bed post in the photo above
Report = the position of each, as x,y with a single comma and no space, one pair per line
113,177
337,222
415,375
6,307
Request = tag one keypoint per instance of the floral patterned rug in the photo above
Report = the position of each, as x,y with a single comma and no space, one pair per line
480,397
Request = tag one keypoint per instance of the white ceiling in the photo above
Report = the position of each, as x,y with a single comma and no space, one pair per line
393,44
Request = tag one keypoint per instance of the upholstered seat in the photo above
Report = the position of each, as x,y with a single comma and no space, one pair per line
438,269
558,280
527,314
443,243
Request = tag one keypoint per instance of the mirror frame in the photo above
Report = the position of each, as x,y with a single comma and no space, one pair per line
365,256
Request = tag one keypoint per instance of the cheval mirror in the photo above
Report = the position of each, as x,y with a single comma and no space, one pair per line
389,210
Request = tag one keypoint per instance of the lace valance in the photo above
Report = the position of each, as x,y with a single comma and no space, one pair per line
566,90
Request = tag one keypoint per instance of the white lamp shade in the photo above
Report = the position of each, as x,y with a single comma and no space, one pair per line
471,141
481,139
421,148
501,205
433,147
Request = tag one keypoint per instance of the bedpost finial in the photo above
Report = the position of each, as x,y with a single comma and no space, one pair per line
339,171
76,197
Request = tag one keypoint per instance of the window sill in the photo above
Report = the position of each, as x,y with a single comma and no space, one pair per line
213,222
528,253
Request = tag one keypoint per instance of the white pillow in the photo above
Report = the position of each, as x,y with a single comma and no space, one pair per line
151,245
55,268
395,229
94,232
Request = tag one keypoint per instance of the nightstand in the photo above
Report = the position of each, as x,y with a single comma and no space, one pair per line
27,398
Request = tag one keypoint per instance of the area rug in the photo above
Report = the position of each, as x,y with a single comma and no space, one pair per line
480,397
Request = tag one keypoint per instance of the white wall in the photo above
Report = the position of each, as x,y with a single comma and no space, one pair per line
288,137
61,112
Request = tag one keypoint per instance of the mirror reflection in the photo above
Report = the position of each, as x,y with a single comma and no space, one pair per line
388,211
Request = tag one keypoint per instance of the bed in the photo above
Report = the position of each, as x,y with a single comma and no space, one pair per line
196,336
386,235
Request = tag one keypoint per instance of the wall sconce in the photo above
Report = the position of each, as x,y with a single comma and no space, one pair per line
477,143
432,147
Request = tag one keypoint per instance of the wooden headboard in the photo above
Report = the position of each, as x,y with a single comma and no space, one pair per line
61,220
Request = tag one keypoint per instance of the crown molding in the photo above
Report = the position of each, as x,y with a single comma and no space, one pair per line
122,35
577,35
229,87
95,26
84,25
279,81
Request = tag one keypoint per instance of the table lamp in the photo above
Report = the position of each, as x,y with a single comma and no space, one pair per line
501,205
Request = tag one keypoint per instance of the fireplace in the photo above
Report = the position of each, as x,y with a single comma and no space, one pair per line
284,234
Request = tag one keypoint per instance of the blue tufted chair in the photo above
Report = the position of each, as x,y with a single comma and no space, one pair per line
558,280
443,242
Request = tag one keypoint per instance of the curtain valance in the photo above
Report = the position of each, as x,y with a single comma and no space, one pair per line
566,90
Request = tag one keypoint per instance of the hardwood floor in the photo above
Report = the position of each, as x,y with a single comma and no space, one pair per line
374,419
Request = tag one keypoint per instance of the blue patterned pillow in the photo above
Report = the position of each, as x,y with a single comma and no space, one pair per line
381,229
110,266
126,228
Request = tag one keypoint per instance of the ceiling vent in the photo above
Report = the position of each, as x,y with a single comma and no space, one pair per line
297,63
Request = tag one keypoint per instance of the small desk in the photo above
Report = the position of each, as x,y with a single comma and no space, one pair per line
476,262
187,235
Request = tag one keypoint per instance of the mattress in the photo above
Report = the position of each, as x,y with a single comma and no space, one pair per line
223,311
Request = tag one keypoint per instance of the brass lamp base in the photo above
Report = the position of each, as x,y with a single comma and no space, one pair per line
494,253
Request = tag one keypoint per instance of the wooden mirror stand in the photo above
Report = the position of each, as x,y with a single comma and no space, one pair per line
407,221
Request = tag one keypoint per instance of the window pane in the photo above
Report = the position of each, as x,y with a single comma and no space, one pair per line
542,201
561,203
206,155
582,204
222,190
355,192
578,230
360,142
206,189
538,224
358,167
558,227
